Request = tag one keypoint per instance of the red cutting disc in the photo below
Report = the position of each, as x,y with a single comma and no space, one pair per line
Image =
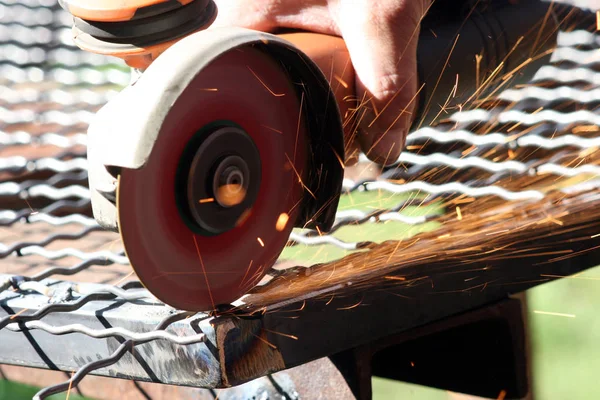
191,271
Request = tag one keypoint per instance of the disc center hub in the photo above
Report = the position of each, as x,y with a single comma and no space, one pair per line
220,174
231,181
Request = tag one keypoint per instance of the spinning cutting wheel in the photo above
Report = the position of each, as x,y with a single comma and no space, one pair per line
213,207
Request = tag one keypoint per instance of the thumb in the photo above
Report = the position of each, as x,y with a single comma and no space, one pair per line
382,40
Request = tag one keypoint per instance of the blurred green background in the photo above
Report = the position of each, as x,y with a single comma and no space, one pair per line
565,349
16,391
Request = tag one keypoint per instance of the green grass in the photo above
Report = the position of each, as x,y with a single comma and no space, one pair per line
384,389
15,391
378,233
565,348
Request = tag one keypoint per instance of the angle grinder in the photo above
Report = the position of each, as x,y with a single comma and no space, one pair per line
230,138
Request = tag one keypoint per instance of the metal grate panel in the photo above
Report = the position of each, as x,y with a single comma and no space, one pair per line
62,275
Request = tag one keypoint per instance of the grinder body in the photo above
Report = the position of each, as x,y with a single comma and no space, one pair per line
230,138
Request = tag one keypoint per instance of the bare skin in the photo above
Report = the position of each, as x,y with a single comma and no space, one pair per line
381,36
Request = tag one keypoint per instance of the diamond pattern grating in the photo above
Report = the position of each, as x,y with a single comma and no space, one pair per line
55,257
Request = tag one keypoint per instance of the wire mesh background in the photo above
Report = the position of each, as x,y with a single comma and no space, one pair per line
49,90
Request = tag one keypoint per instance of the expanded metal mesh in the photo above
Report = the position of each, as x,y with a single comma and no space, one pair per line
49,91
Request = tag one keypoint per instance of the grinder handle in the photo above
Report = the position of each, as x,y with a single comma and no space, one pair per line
331,56
502,34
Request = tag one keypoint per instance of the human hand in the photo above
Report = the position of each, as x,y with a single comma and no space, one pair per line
381,36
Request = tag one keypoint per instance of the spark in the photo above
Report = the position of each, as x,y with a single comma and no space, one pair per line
554,314
458,214
585,128
299,177
245,215
254,279
273,129
478,58
497,232
428,105
510,74
455,89
246,274
573,254
452,95
341,81
598,20
541,28
350,307
396,278
19,313
282,222
521,122
207,200
299,125
265,85
271,345
393,253
587,152
486,82
123,278
70,386
554,221
33,212
502,395
204,271
260,241
339,159
281,334
210,89
468,151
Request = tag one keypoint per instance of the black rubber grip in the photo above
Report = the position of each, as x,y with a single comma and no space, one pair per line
454,35
144,27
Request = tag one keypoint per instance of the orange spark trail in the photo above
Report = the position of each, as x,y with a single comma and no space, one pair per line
204,271
265,85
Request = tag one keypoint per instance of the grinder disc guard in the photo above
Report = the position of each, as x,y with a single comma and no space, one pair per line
238,125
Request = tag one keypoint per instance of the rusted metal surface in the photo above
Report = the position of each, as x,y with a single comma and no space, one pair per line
50,91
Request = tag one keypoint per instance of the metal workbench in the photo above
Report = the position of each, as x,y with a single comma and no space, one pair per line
70,302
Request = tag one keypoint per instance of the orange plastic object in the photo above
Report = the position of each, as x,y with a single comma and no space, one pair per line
331,55
111,10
